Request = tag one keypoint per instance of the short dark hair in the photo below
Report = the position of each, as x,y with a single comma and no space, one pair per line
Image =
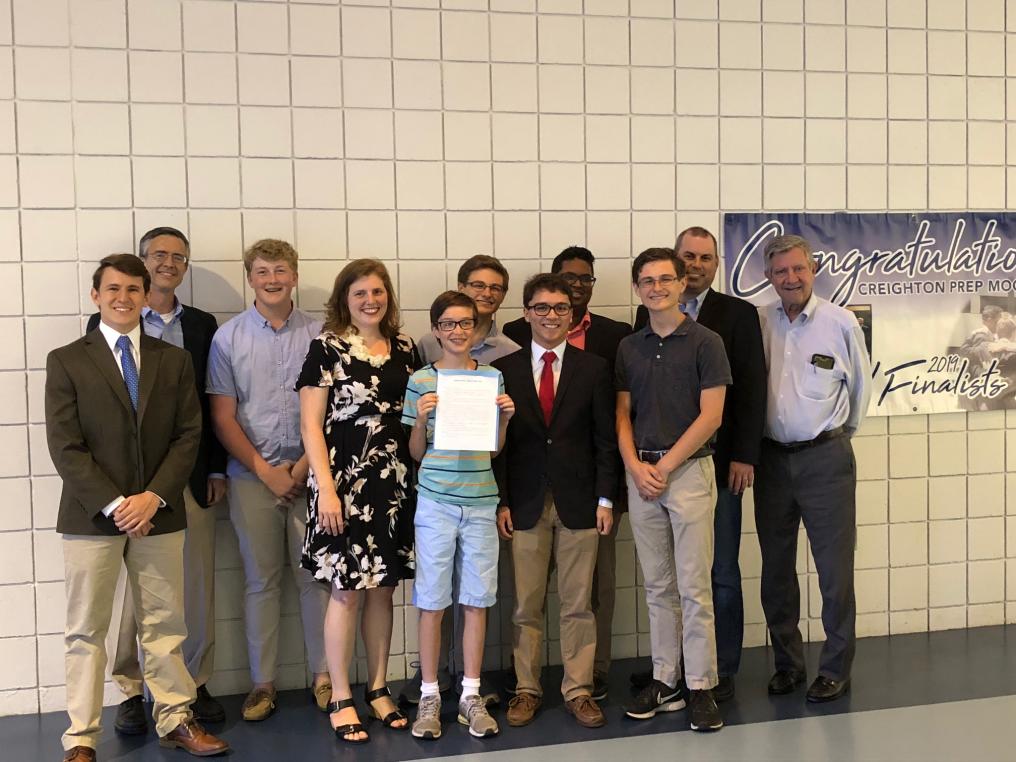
695,231
572,252
155,233
448,299
991,311
482,262
545,282
658,254
127,264
337,317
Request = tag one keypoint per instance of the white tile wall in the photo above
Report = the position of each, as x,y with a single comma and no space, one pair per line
423,134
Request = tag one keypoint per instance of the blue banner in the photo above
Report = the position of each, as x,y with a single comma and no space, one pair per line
935,295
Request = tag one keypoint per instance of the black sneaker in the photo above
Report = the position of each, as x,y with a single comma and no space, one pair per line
655,697
130,717
724,690
599,687
205,708
705,716
640,680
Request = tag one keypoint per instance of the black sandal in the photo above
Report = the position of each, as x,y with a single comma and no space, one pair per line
348,729
391,718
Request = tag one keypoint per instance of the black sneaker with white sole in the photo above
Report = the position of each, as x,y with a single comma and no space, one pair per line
705,715
655,697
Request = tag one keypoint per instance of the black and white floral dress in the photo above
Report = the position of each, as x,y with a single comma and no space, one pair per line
369,456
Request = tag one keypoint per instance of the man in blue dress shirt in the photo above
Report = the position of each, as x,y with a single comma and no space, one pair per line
252,371
818,391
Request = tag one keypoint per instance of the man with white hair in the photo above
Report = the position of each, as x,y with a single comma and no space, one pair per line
818,391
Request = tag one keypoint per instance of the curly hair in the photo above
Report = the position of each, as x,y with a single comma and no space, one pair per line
271,250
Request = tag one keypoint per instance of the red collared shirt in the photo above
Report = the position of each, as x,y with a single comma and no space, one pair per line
577,335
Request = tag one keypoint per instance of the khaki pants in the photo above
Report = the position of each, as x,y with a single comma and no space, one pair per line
674,542
266,531
198,606
155,579
574,553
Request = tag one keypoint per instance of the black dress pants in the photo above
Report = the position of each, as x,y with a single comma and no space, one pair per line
817,485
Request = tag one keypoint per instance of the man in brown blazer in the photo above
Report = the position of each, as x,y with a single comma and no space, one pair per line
123,424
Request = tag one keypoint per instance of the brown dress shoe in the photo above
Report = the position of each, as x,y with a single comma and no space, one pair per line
322,695
194,739
586,712
522,708
259,705
79,754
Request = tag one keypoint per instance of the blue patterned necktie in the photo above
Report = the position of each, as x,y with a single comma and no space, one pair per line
130,370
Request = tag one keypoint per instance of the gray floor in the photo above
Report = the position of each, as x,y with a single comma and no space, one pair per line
963,731
926,696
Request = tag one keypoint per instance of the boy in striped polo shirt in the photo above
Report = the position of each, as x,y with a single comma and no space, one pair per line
456,531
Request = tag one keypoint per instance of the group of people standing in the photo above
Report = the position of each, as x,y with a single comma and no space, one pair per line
322,435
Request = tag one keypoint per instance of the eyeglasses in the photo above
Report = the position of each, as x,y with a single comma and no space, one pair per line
479,286
572,279
160,256
450,325
663,280
542,308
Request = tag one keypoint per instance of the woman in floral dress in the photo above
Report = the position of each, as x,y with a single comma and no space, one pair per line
360,523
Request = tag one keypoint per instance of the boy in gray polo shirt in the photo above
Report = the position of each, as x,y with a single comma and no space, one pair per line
671,381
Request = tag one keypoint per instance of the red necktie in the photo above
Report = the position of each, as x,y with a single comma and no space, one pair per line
547,385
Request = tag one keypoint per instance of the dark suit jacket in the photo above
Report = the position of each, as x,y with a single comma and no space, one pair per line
101,449
744,409
198,329
602,336
575,457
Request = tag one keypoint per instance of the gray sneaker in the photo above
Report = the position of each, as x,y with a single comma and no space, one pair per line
428,718
473,712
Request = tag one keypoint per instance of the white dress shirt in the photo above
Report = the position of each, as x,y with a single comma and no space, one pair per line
111,335
803,399
538,353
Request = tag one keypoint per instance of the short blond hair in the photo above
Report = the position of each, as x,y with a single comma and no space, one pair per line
271,250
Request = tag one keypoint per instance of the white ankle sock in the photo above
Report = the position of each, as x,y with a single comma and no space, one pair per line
470,686
429,689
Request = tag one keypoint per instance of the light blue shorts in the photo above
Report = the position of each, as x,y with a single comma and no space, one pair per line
455,541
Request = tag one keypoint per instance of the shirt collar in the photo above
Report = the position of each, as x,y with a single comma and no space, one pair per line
177,310
582,327
681,330
807,312
697,301
539,351
262,322
492,336
111,335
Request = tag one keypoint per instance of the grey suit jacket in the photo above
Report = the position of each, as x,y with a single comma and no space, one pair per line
102,449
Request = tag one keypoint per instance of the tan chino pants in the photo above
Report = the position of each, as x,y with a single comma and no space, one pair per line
155,582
